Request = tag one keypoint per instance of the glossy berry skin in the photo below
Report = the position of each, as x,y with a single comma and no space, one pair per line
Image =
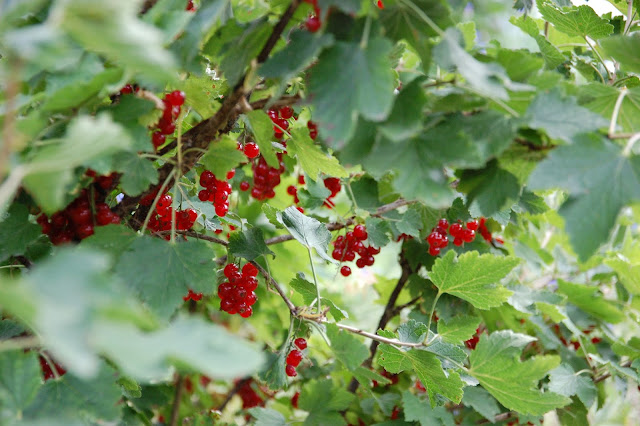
244,186
175,98
286,112
294,358
472,225
360,232
443,223
301,343
313,24
158,139
294,400
291,371
249,270
345,271
251,150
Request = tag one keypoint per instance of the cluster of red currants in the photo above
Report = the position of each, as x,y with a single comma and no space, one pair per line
196,297
280,119
266,178
293,191
76,222
438,240
167,125
346,247
295,356
333,185
237,294
161,218
216,191
313,22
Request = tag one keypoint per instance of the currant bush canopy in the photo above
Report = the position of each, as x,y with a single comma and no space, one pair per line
321,212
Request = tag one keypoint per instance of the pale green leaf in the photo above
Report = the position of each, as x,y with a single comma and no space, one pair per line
564,381
480,400
267,417
590,300
458,329
137,173
579,21
417,409
620,48
473,278
222,156
323,401
311,158
496,364
307,231
20,379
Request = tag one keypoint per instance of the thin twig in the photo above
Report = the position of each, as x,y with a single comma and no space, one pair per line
274,284
398,309
177,397
377,338
607,375
196,235
19,343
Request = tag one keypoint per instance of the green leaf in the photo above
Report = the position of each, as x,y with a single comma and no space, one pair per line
628,270
50,169
273,373
114,30
564,381
272,215
86,85
458,329
299,52
349,6
267,417
496,364
366,376
418,175
590,300
307,231
223,156
490,190
619,47
314,195
602,99
243,49
177,268
378,230
426,365
324,401
418,409
339,98
364,192
410,223
579,21
311,158
308,292
20,379
249,244
137,173
404,20
480,400
16,232
562,118
261,127
412,331
473,277
114,239
485,78
94,400
405,120
589,170
551,55
346,347
186,342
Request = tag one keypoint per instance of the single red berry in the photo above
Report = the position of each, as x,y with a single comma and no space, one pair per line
313,24
292,190
190,8
468,235
301,343
301,180
273,114
244,185
380,4
294,358
291,371
596,340
455,230
345,271
360,232
457,241
434,251
245,312
286,112
230,269
443,223
250,283
175,98
472,225
251,299
126,89
251,150
249,270
294,400
158,139
231,174
207,178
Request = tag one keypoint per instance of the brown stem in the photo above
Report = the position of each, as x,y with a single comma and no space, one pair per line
387,314
274,284
177,397
607,375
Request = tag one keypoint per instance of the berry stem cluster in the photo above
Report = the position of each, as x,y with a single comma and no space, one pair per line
237,295
346,247
295,357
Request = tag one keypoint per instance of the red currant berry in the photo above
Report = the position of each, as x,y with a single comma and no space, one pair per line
457,241
251,299
246,312
313,24
231,174
250,283
291,371
345,271
175,98
292,190
468,235
472,225
360,232
455,230
286,112
442,223
251,150
158,139
294,358
249,270
301,180
294,400
230,269
127,89
380,4
244,185
434,251
301,343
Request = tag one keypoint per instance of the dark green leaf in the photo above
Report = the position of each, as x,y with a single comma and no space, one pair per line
249,244
323,401
177,268
346,347
16,232
489,190
589,170
339,97
405,120
302,48
267,417
378,230
137,173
